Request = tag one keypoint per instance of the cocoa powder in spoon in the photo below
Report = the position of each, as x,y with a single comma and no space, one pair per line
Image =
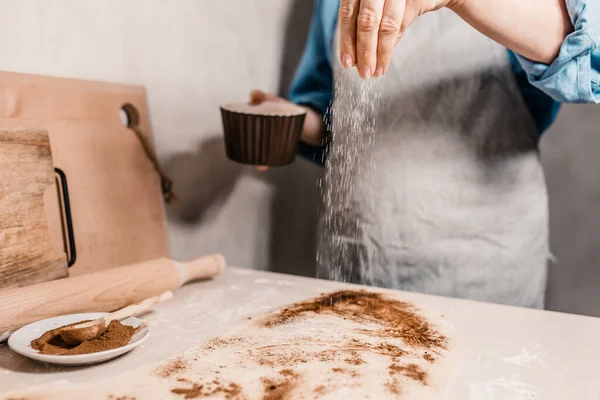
116,335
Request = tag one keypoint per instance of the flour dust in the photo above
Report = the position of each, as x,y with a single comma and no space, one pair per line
343,250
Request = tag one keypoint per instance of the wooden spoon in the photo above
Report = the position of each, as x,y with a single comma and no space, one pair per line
76,334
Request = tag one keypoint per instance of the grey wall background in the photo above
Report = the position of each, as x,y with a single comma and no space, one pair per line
570,153
193,55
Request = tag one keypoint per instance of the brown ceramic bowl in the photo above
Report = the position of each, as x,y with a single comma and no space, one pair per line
267,134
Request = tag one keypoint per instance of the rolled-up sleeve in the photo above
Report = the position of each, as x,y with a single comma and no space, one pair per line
313,82
574,77
312,85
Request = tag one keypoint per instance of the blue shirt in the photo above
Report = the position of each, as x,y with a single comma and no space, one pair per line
574,77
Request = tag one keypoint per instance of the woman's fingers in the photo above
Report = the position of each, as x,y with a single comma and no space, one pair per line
411,13
258,97
370,31
389,33
347,21
367,36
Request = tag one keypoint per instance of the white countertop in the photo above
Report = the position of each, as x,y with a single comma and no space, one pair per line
509,353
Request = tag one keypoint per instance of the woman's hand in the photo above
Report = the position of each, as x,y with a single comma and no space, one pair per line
314,130
371,29
258,97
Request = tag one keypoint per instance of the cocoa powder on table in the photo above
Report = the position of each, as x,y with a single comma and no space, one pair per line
172,367
396,318
377,315
280,388
194,390
116,335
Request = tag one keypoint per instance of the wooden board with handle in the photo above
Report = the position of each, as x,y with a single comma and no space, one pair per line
103,291
26,173
114,190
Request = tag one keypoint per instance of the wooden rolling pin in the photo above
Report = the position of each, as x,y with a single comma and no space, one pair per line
103,291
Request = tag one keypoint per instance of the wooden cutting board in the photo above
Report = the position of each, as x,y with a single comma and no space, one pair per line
115,197
344,345
26,173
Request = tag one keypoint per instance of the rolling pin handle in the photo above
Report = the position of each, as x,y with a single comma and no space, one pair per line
204,267
68,220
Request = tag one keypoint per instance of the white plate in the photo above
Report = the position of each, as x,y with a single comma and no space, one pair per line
20,341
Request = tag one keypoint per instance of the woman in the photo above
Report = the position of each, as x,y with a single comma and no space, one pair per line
457,201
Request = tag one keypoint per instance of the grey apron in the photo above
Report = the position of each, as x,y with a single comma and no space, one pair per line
450,197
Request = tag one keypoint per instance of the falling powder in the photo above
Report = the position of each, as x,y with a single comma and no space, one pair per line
350,168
